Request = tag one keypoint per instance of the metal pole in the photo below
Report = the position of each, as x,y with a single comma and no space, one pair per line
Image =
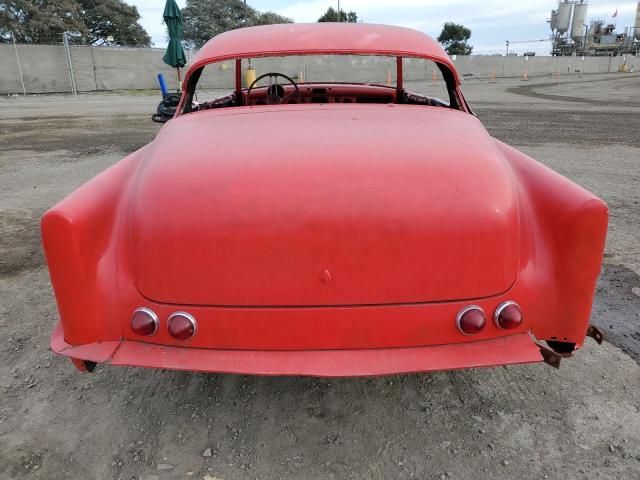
339,19
73,78
15,47
95,73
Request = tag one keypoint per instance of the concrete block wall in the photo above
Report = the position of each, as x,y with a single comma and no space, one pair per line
130,68
45,69
9,73
376,69
510,67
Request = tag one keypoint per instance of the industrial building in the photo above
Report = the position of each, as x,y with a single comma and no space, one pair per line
574,35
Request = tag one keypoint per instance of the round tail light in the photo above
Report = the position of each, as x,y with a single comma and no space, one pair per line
508,316
471,320
144,322
182,326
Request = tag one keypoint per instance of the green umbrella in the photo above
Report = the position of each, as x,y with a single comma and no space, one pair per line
174,57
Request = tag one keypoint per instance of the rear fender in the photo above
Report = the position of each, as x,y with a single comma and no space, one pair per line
567,228
78,235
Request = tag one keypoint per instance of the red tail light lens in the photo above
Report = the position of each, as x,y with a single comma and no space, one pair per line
471,320
508,316
182,326
144,322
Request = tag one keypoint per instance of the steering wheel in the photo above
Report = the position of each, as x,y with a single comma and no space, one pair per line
275,91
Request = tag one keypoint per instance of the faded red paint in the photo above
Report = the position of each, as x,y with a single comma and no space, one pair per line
323,239
319,39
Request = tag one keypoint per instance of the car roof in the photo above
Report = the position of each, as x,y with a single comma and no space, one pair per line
321,39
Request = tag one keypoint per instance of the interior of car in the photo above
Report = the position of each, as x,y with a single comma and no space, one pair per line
329,80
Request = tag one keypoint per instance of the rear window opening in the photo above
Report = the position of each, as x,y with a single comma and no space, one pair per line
321,79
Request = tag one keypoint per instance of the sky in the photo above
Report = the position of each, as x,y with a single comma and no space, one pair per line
491,21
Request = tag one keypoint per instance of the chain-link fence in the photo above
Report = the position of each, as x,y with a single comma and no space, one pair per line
62,67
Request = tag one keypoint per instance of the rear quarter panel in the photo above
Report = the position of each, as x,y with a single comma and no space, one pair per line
78,236
567,228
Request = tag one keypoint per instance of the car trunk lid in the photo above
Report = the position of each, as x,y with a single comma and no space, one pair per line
324,206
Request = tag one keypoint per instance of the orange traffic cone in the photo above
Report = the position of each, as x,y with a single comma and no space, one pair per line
434,77
389,78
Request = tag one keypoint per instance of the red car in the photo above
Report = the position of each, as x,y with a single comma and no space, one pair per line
324,220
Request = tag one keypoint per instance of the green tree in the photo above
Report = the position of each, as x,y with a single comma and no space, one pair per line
87,21
269,18
113,18
40,21
331,15
454,39
204,19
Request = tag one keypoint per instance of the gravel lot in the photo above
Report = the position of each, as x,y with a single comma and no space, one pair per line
579,422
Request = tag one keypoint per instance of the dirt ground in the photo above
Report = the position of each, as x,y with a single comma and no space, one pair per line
525,422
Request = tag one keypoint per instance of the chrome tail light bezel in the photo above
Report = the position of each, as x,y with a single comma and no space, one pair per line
187,316
500,308
152,315
462,312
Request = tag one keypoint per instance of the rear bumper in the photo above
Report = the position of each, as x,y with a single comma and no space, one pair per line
519,348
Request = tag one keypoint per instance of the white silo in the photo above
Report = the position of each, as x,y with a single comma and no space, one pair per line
579,20
637,24
564,16
553,23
